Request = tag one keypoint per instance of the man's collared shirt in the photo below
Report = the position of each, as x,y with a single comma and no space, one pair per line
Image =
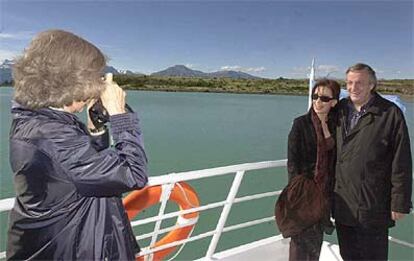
354,115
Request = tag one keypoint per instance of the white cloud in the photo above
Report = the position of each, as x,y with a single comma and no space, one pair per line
243,69
325,68
322,70
23,35
230,68
190,65
6,54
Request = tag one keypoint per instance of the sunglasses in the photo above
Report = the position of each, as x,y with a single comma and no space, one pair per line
323,98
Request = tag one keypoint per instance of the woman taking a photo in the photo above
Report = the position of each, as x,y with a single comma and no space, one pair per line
68,181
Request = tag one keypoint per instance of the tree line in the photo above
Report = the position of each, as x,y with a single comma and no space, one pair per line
261,86
229,85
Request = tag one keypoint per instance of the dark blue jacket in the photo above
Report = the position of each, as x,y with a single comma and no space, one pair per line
69,185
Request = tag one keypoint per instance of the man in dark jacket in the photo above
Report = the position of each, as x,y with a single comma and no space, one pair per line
68,182
374,168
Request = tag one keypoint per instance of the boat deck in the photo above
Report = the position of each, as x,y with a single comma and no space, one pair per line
273,248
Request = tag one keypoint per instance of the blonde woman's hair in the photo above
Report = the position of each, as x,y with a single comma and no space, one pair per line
56,69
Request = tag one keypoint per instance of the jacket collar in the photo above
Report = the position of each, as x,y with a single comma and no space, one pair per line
374,109
20,111
374,104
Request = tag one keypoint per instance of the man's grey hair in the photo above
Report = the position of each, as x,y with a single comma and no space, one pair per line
368,69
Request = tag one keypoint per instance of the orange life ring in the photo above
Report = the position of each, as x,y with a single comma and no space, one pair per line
182,194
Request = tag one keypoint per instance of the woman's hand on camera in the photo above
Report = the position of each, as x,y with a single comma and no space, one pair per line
113,97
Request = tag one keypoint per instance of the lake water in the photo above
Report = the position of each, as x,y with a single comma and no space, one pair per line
189,131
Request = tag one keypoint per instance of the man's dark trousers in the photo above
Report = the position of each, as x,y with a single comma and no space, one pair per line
362,243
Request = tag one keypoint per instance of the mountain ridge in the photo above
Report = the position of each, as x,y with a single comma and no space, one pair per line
172,71
183,71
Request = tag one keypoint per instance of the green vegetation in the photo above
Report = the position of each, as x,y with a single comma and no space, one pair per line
262,86
279,86
401,87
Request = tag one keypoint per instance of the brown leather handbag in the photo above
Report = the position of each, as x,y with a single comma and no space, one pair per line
300,205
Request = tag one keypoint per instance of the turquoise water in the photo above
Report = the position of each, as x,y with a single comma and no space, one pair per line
189,131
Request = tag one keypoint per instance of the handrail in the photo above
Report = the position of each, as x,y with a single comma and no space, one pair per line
225,213
7,204
204,173
170,179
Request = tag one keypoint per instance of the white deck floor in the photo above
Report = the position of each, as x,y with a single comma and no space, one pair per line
274,248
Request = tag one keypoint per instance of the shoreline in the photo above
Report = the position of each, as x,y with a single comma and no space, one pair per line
189,90
403,96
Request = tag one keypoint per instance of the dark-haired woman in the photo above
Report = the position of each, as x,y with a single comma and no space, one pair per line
311,152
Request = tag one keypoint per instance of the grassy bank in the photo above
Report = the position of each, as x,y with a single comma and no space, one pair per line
262,86
254,86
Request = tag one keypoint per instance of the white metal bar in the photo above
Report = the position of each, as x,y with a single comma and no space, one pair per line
199,174
248,224
202,208
257,196
226,229
6,204
165,195
146,251
177,213
165,230
225,213
204,235
401,242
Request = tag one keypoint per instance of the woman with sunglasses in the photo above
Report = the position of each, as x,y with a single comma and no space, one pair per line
311,152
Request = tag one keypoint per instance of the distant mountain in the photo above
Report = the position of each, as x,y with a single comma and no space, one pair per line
113,70
183,71
232,74
128,72
179,71
6,71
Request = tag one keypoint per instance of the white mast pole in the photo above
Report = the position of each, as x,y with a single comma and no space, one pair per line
311,83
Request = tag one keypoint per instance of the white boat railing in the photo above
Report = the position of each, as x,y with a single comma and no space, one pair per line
169,180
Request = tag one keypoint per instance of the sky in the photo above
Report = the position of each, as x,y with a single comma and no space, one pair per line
268,39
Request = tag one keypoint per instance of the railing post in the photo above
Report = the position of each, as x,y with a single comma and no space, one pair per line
224,214
165,195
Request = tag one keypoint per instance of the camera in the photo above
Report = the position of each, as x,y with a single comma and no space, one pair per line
99,116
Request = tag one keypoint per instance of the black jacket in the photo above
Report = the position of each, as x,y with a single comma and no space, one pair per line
374,166
69,185
302,146
302,154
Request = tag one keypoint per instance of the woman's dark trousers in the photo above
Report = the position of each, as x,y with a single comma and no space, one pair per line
306,245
